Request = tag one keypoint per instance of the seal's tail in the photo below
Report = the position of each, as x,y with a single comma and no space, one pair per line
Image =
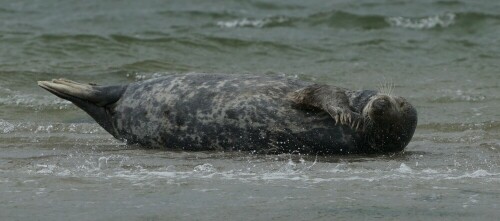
93,99
78,92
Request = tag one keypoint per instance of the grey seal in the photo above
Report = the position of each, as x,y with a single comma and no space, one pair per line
261,114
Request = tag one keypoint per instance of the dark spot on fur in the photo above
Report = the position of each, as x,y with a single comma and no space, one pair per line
232,114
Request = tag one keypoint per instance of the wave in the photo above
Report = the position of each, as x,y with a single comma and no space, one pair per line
128,39
331,18
79,37
348,20
199,14
59,43
255,23
274,6
442,21
344,19
240,43
449,2
445,20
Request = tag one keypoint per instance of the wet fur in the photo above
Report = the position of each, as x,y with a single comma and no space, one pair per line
226,112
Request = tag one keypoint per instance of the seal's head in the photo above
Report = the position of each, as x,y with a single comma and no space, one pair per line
392,121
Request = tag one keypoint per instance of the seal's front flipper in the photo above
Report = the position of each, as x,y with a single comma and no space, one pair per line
331,99
93,99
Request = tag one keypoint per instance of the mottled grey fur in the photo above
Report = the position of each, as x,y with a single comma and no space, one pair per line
251,113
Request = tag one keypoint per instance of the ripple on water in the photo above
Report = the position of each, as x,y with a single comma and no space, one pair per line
459,95
36,102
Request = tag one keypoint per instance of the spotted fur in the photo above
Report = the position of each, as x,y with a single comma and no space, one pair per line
261,114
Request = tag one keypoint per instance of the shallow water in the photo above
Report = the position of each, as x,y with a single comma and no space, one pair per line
57,164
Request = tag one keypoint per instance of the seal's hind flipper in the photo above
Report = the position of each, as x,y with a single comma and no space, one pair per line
78,92
95,100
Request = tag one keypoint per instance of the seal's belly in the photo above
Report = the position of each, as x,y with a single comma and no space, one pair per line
214,112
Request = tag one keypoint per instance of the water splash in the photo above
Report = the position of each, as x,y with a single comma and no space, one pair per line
204,168
403,168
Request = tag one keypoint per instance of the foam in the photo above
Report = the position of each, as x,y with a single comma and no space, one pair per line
6,127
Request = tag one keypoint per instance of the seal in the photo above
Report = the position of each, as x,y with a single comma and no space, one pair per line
261,114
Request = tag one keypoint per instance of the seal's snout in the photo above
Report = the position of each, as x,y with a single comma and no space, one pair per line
381,104
382,108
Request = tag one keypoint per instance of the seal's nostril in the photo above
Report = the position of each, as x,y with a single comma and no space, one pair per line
381,103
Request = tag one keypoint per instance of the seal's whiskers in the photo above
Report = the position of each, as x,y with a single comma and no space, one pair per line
386,87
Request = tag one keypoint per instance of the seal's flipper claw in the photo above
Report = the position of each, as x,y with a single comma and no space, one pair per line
357,124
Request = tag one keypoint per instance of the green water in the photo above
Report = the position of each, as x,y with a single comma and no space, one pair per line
57,164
